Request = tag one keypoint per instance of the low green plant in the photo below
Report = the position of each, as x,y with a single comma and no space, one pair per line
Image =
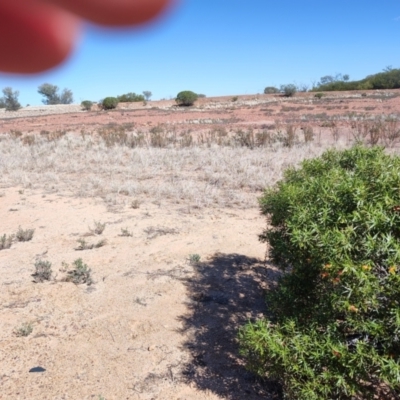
334,319
319,95
43,271
98,228
109,103
194,259
24,235
125,232
234,99
24,330
80,274
6,241
186,98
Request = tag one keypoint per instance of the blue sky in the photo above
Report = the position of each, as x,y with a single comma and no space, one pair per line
228,47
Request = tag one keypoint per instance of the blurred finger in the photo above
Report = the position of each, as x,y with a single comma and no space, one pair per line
34,36
114,12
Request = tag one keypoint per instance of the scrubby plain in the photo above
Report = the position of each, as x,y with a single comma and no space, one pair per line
165,183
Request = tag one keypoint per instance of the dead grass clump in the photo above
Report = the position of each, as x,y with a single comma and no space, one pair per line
113,134
24,329
28,140
135,204
83,245
244,138
24,235
98,228
308,133
125,232
6,241
154,231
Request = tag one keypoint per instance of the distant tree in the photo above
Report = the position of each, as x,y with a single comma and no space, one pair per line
346,77
289,90
147,94
66,97
271,90
186,98
10,99
201,95
303,87
51,94
327,79
2,103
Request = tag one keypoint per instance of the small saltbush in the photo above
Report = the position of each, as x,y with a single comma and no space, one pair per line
333,326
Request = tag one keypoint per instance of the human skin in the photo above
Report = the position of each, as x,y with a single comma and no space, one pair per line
36,35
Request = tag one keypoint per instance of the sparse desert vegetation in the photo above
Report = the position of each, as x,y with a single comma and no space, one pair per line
162,204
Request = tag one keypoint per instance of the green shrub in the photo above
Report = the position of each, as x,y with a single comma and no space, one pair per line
334,323
109,103
289,90
319,95
271,90
186,98
87,105
131,97
80,274
43,271
194,259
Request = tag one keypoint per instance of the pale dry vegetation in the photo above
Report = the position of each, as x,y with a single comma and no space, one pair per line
200,175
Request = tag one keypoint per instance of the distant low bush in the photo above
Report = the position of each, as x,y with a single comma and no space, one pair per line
87,105
388,79
289,90
271,90
109,103
334,319
186,98
131,97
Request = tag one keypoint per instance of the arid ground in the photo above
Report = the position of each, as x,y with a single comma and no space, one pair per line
160,202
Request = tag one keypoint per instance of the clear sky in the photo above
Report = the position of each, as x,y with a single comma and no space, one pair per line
228,47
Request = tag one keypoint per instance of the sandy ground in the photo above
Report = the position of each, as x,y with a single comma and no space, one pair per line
152,325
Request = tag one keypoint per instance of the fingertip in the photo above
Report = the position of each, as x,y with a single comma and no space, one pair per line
117,12
34,36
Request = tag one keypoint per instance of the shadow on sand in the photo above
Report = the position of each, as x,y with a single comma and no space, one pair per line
225,293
